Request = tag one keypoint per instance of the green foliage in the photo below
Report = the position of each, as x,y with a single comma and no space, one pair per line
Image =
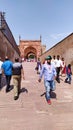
31,56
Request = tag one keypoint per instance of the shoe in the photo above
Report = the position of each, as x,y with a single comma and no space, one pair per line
0,89
69,82
66,80
15,97
58,80
49,102
7,90
19,92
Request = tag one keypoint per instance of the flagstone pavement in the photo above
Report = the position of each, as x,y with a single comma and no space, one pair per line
31,111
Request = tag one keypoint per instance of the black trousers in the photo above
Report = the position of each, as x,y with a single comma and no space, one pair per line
8,79
58,73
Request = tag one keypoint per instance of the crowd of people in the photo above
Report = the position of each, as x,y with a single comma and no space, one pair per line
52,69
9,70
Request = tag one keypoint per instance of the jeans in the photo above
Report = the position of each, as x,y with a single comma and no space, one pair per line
49,85
68,78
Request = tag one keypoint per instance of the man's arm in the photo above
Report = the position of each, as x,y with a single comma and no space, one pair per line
22,73
41,74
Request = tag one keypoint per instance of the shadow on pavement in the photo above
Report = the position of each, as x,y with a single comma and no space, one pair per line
24,90
3,82
52,94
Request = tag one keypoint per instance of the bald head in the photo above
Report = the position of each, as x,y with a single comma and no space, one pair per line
6,58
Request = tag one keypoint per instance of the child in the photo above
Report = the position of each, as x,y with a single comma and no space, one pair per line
68,73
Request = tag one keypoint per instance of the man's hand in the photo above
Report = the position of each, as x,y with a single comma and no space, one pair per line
24,77
39,80
55,77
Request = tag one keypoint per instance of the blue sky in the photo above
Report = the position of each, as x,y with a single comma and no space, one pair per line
52,19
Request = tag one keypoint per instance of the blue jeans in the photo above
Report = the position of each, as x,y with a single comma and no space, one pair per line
68,78
49,85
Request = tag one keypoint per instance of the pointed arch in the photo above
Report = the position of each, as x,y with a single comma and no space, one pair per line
30,51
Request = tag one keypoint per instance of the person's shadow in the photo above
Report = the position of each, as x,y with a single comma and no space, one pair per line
52,94
3,82
23,90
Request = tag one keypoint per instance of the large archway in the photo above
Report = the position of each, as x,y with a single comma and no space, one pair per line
31,48
30,53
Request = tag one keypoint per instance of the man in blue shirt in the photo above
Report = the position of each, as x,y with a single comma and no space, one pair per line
49,72
7,70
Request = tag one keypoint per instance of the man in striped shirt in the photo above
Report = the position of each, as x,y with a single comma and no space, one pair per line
18,72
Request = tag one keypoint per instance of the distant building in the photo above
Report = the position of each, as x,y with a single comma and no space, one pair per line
8,45
31,48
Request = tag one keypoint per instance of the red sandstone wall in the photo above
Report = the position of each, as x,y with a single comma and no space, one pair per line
6,48
63,48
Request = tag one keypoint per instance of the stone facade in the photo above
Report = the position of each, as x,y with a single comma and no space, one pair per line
6,48
8,45
33,47
64,48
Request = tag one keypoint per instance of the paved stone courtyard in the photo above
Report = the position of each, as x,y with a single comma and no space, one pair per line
31,111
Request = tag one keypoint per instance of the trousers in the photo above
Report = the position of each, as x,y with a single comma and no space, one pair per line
49,86
17,84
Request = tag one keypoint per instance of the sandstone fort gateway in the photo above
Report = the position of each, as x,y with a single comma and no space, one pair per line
25,48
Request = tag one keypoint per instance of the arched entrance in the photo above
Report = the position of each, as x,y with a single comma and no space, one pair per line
30,53
30,48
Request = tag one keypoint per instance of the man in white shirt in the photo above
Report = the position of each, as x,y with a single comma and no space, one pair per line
0,71
58,67
53,61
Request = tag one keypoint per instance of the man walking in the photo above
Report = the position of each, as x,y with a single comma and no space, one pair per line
49,72
58,68
17,73
7,70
